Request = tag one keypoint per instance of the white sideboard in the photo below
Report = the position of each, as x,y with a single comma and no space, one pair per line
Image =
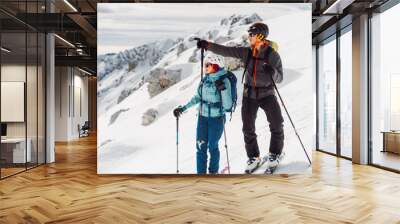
18,144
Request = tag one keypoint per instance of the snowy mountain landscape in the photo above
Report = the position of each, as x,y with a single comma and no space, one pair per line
138,88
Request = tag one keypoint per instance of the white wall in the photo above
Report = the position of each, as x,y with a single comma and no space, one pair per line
61,103
16,73
70,84
12,73
13,101
81,82
33,126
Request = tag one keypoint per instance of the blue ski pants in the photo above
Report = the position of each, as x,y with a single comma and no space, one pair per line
209,131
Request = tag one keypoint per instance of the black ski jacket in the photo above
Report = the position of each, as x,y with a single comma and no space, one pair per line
257,82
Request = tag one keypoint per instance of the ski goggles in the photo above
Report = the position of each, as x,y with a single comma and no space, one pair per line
257,35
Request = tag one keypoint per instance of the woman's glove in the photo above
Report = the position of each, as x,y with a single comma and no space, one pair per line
268,68
178,111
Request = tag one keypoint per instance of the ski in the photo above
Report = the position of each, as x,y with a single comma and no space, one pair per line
263,161
271,169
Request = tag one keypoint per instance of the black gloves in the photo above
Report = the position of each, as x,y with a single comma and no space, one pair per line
178,111
268,68
202,44
220,85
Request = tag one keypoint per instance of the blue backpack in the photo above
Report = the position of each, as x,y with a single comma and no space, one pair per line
233,81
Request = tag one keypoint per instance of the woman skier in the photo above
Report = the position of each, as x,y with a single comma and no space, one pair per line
214,96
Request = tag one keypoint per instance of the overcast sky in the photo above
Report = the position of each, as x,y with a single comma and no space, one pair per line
126,25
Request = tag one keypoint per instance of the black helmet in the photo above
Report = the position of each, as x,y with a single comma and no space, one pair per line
259,28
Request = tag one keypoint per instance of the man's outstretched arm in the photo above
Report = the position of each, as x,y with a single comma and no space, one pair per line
235,52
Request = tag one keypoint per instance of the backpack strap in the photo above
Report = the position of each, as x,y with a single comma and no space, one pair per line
222,77
247,63
269,49
200,91
221,110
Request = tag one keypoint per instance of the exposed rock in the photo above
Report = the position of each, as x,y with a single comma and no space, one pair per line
128,91
212,34
181,48
150,53
233,64
193,58
149,116
132,65
250,19
161,79
234,20
116,115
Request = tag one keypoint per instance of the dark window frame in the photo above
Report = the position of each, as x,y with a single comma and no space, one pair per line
387,5
29,29
381,9
334,37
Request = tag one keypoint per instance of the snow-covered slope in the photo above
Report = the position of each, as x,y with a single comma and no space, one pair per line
127,146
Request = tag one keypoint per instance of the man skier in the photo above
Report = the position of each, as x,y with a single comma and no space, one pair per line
263,63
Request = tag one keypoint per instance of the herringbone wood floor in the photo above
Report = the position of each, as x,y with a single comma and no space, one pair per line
70,191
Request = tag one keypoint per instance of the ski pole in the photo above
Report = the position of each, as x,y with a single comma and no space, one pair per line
177,144
201,81
226,144
202,62
202,56
290,119
201,73
226,149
